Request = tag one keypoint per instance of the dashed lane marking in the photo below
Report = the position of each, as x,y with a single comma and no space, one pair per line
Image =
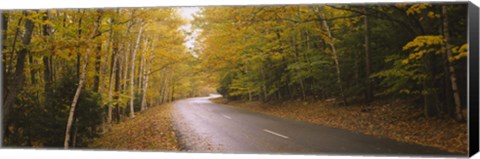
274,133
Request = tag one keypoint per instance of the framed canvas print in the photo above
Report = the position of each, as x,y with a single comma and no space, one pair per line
374,79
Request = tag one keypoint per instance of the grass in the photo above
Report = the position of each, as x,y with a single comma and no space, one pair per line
391,119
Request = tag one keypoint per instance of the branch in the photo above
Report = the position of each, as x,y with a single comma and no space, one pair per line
161,68
377,14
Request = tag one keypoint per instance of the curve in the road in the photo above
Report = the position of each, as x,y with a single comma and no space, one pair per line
204,126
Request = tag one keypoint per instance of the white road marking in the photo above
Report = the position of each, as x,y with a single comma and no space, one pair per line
226,117
274,133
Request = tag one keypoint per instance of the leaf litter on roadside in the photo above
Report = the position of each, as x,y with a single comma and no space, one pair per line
150,130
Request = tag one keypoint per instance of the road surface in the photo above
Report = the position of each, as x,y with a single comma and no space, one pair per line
204,126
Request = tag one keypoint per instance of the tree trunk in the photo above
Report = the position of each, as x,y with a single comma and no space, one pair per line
140,72
4,29
113,69
169,87
4,47
146,74
7,68
448,106
264,87
79,36
98,59
17,83
141,66
75,100
132,74
125,68
79,89
120,77
117,89
52,69
74,142
164,87
4,37
335,58
104,66
14,45
47,79
172,95
145,87
295,55
427,111
369,90
453,77
47,74
32,70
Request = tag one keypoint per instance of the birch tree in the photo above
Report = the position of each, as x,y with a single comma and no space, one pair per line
79,87
132,73
331,42
452,73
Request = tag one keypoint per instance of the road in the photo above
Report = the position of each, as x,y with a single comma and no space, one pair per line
204,126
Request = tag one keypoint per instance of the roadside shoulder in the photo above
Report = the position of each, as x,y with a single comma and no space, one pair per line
149,130
391,119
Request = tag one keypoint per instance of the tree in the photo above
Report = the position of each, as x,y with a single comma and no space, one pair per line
80,85
287,52
132,75
369,91
335,58
84,66
453,78
17,82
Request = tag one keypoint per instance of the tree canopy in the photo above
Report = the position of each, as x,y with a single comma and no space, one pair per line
74,72
345,52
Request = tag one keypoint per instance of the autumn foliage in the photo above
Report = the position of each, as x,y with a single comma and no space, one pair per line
76,73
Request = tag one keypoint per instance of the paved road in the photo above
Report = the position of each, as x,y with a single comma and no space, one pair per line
204,126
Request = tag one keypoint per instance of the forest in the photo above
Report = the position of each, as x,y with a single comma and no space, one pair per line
349,54
69,74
